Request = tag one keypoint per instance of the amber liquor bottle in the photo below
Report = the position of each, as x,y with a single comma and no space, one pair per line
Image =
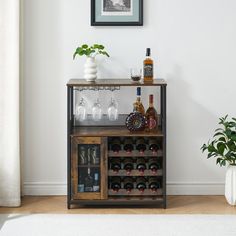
151,115
138,103
148,67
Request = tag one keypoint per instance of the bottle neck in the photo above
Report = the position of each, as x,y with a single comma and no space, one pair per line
150,104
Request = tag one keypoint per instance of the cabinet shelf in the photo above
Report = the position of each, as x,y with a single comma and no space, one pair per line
88,166
111,131
135,153
134,192
135,173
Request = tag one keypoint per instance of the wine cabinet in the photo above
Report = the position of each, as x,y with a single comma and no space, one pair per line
109,165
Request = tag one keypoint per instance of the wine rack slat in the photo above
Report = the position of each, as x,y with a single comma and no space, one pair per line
134,192
135,173
135,154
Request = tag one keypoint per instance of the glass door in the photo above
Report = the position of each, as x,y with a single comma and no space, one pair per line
88,168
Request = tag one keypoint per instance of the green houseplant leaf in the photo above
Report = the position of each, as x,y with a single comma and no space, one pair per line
223,144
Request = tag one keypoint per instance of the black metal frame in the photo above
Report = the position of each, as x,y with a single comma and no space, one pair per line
70,120
131,23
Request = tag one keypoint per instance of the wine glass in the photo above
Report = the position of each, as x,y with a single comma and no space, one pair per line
80,110
97,110
112,110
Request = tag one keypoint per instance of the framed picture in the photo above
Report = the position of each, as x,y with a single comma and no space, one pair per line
116,12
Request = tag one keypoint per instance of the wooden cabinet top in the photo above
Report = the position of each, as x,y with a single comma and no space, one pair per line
113,82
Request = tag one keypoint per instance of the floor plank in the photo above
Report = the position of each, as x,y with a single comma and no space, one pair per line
176,205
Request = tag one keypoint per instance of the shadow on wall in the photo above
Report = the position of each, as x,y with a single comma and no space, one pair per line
189,124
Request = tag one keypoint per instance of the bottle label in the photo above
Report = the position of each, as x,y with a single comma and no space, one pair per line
152,123
148,70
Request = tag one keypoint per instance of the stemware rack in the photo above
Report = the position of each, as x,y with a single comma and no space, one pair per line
89,134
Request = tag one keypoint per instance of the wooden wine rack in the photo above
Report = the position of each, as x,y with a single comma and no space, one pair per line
99,133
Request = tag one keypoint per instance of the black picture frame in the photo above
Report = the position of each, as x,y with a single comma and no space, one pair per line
116,23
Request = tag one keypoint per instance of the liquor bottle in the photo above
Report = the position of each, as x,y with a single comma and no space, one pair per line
141,184
151,115
115,164
153,164
141,164
138,104
116,183
153,184
96,185
135,121
128,145
116,145
128,183
141,145
148,67
153,145
128,164
88,182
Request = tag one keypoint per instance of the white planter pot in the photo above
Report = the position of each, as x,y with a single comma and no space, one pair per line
90,69
230,185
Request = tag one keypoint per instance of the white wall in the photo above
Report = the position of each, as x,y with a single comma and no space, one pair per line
193,45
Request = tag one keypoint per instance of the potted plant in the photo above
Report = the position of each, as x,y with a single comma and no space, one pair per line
223,148
90,67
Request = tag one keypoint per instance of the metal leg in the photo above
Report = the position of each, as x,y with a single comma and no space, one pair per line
69,127
163,116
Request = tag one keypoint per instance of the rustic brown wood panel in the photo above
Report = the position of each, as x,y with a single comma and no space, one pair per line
112,132
113,82
104,169
135,173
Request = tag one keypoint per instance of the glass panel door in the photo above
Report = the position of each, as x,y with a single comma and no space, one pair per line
89,168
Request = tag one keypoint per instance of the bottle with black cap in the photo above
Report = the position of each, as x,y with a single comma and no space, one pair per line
148,67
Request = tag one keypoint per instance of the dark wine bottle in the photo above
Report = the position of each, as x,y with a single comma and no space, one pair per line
116,184
128,183
115,164
116,144
153,184
153,144
141,144
128,164
141,164
153,164
141,184
128,145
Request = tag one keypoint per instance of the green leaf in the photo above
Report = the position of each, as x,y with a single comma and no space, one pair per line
233,137
85,46
221,148
218,134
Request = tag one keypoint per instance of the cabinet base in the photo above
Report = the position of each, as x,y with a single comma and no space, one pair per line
158,203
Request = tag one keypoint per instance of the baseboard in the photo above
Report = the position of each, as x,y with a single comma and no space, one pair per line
173,188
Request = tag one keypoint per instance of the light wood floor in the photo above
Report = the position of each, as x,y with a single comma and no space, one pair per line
176,205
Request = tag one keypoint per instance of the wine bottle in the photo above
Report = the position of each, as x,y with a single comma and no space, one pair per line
128,164
116,144
128,183
153,145
148,67
141,164
151,115
141,184
153,164
128,145
141,144
96,186
115,164
138,104
153,184
88,182
116,184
